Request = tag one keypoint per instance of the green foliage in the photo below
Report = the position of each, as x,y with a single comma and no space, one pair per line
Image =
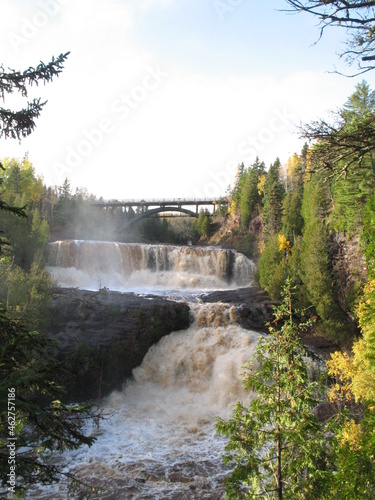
251,199
360,103
316,260
369,235
238,184
351,192
202,224
277,443
8,209
40,423
43,424
292,220
272,268
20,123
221,209
295,271
183,230
354,459
156,230
27,293
272,203
28,236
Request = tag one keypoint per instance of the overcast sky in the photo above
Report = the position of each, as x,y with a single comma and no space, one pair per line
163,98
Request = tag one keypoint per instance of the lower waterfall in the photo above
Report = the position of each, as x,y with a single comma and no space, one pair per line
159,440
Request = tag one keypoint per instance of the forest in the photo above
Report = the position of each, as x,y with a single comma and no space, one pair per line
311,221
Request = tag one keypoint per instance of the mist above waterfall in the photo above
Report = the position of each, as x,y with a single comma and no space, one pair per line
94,265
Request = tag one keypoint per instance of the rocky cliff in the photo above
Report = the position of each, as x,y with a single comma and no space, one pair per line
103,335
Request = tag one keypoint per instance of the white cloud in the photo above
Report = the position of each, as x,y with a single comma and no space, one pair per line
178,134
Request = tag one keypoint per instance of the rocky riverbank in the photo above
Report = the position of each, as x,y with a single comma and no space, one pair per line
252,304
254,309
103,335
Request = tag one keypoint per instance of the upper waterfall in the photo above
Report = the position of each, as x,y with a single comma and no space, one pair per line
132,266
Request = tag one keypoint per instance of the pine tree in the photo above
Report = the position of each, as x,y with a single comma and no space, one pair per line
40,423
238,184
350,192
27,372
202,224
277,443
20,123
273,197
360,103
251,198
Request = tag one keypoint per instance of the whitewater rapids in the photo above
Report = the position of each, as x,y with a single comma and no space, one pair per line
159,441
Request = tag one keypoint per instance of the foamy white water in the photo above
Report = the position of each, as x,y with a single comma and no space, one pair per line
160,440
92,265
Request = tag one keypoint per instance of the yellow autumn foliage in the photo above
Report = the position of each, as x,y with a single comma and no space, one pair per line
341,367
261,184
351,433
355,374
232,208
284,244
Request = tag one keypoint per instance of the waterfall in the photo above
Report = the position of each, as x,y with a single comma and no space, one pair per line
128,266
159,441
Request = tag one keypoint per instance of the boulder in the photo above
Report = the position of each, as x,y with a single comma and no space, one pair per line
103,335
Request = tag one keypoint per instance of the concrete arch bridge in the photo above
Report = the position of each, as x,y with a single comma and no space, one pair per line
132,211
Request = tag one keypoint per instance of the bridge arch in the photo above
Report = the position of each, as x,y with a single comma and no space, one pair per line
154,211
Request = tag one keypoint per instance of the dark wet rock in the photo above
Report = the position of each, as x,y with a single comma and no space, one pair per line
103,335
253,306
254,309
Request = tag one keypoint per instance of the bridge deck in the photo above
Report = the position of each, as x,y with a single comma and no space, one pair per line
160,202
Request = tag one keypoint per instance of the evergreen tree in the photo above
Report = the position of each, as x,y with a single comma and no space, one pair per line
41,423
27,371
251,198
20,123
277,444
292,220
273,197
202,224
359,104
350,192
316,260
272,268
8,209
238,184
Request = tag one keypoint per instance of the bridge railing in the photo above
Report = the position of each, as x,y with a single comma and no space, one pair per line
158,201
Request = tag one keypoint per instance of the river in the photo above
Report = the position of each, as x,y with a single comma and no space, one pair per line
158,440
